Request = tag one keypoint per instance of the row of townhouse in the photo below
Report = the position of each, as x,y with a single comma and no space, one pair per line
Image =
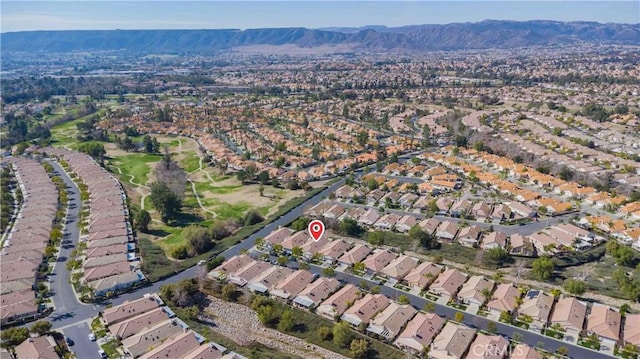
616,228
446,205
517,171
400,324
445,231
568,315
147,329
450,283
589,195
110,259
23,252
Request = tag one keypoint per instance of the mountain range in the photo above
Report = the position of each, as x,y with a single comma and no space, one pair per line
377,38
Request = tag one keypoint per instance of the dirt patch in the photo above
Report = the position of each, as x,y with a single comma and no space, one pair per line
113,150
240,324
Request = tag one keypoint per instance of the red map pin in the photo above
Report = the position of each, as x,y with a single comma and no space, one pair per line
316,229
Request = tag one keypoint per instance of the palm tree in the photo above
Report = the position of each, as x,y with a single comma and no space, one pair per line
430,277
498,276
278,249
486,293
260,242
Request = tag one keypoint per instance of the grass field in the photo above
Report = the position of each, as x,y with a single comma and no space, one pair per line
137,165
203,187
64,135
156,264
221,196
190,162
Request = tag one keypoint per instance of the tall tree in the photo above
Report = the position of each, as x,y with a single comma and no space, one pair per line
165,201
141,220
342,334
542,268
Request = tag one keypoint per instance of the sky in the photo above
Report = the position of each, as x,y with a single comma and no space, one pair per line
119,14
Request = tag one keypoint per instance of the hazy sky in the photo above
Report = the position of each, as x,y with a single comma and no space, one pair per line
41,15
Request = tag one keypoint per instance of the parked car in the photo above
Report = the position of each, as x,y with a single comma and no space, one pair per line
92,337
201,262
69,341
102,354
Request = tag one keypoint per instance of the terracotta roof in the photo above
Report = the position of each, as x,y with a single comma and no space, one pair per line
569,312
128,309
420,331
604,322
37,348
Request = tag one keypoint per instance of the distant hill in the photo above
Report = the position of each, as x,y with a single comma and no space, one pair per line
480,35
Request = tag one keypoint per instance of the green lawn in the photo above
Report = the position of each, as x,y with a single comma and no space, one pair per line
98,328
228,210
172,143
111,348
191,162
65,134
156,265
207,186
137,165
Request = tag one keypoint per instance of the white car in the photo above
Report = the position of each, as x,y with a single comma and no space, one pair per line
102,353
92,337
201,262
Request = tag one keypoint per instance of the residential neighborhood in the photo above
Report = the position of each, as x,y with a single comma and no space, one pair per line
320,180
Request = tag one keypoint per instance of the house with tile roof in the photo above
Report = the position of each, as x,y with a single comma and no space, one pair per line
448,283
356,254
452,343
420,332
488,347
391,320
376,262
536,305
504,299
422,275
400,267
604,322
313,294
473,290
338,302
631,332
289,287
523,351
365,308
43,347
569,313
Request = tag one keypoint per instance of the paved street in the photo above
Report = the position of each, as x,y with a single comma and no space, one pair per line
83,347
64,298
